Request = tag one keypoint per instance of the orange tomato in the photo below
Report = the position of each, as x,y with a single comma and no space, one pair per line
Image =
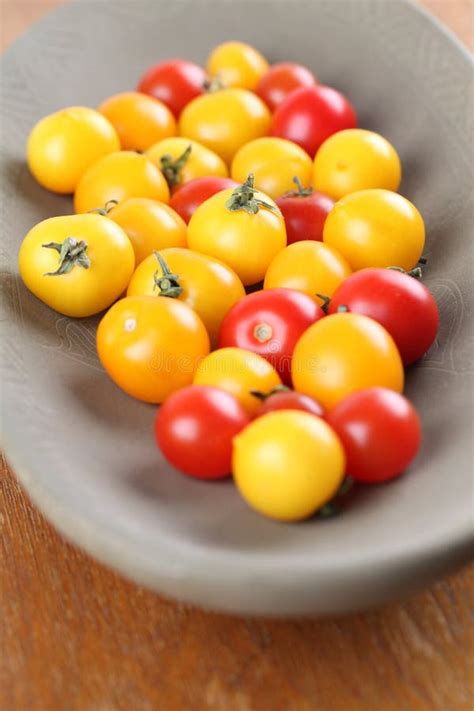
237,64
182,160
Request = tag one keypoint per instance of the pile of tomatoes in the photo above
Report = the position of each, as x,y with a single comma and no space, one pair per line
258,269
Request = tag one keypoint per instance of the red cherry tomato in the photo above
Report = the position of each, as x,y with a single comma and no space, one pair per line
305,213
401,303
270,323
380,432
175,83
311,114
282,398
280,80
194,430
188,197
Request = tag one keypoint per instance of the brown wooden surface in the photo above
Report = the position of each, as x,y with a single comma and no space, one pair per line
76,637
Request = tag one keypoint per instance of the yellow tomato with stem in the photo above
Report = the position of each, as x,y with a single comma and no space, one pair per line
117,177
376,228
208,286
181,160
225,120
237,64
287,464
150,225
344,353
275,162
63,145
77,264
140,120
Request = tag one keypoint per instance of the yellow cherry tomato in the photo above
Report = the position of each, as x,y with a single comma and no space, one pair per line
242,227
308,266
225,120
238,371
150,225
237,64
343,353
356,159
274,162
151,347
63,145
119,176
77,264
205,284
181,160
287,464
140,120
376,228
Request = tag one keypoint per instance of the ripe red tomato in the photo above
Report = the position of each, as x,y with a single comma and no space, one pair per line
311,114
401,303
270,323
280,80
188,197
380,432
194,430
305,213
282,398
174,83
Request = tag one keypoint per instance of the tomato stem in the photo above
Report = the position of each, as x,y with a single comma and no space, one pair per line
263,396
167,283
416,272
109,205
300,191
243,198
213,84
72,252
326,302
171,168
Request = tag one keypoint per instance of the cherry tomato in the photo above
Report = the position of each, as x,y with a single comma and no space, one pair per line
398,301
308,266
150,225
281,80
195,427
376,228
225,120
208,286
77,264
237,64
63,145
274,163
380,431
117,177
288,464
238,372
175,83
305,213
311,114
188,197
139,120
356,159
151,347
282,398
343,353
269,323
241,227
181,160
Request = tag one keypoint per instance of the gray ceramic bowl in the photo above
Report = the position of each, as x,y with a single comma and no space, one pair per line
85,451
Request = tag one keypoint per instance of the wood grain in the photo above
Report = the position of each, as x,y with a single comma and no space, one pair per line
74,636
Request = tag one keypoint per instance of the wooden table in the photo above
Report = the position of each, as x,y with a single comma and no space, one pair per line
76,637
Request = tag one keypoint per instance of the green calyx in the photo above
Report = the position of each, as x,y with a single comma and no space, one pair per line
109,205
72,253
300,190
168,283
334,507
416,273
172,167
243,198
213,84
264,396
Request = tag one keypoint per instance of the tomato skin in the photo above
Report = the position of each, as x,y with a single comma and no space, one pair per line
289,400
311,114
380,431
305,215
281,80
237,64
188,197
401,303
288,464
269,323
201,162
175,83
194,429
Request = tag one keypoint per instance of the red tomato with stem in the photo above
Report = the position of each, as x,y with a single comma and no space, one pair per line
282,79
398,301
175,83
380,432
269,323
194,429
283,398
311,114
188,197
305,212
